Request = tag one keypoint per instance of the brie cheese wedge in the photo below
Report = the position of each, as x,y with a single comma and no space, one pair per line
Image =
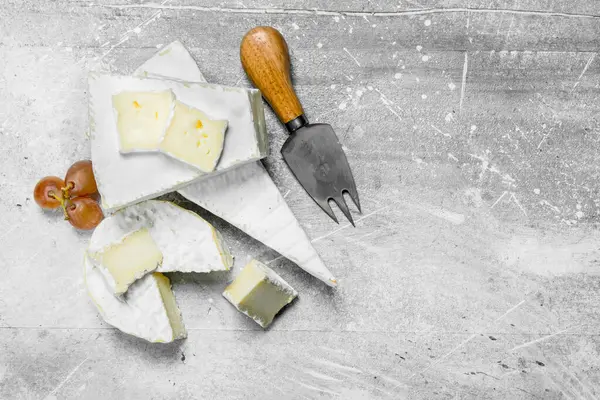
148,310
187,242
125,179
194,138
124,262
142,119
259,293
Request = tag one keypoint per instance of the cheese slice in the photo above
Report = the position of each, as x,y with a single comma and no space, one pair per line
142,119
124,262
187,242
259,293
194,138
148,310
246,197
125,179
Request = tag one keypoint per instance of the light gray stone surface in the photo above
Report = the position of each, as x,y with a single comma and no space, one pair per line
473,130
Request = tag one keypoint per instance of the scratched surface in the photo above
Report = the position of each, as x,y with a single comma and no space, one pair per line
473,128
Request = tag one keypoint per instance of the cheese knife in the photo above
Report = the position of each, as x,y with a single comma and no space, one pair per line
312,151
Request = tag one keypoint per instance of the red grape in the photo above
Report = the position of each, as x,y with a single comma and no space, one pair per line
80,179
84,213
48,193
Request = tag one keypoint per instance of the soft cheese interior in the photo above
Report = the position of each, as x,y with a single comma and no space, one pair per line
124,262
142,118
194,138
247,187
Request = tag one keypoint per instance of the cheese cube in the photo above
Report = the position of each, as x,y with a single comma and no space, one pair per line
188,243
259,293
194,138
124,262
142,118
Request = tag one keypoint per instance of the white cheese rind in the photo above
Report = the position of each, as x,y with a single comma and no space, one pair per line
125,179
248,199
188,243
194,138
140,312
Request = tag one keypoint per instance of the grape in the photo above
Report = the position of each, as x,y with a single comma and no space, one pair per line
80,179
47,192
84,213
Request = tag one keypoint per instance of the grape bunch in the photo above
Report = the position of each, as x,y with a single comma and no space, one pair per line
76,194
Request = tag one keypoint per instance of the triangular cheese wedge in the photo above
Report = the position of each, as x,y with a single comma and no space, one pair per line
187,242
259,293
246,196
148,310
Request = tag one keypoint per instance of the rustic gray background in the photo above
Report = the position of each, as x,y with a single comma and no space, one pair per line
473,129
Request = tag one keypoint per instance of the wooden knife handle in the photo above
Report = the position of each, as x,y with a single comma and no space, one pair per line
266,60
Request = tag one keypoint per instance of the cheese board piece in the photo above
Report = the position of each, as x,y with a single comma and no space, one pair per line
259,293
126,179
246,190
148,310
187,242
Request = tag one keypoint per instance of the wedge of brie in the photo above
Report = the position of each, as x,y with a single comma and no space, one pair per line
148,310
186,241
193,138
